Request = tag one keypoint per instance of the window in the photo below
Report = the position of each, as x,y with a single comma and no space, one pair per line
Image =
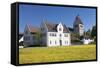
60,35
27,38
55,42
59,29
65,42
52,34
50,42
76,25
81,26
66,35
41,29
55,34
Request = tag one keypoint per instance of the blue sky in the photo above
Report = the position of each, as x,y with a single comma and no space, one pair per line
35,14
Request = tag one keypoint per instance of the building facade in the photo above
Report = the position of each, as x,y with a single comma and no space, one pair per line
55,34
29,35
51,35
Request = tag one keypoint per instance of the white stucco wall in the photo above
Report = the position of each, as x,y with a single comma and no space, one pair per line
87,41
55,40
50,40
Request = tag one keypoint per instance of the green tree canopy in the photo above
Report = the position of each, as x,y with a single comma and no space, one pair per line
93,33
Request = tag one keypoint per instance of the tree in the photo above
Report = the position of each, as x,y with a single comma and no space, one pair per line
87,33
93,33
37,36
75,37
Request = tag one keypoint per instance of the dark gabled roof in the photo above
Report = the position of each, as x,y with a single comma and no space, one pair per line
32,29
78,20
70,29
53,27
66,30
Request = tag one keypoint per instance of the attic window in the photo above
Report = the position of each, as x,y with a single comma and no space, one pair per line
59,29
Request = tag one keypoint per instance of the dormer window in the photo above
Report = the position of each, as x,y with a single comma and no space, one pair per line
59,29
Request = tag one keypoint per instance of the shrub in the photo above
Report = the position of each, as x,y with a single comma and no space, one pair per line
21,43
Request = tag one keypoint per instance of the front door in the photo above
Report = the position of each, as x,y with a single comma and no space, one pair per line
60,42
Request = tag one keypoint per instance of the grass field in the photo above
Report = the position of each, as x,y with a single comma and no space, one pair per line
54,54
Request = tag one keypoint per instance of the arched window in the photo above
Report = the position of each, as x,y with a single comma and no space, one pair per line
59,29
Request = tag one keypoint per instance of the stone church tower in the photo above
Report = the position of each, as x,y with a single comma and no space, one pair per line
78,26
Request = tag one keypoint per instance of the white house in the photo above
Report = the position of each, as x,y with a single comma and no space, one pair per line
87,40
55,34
51,35
29,35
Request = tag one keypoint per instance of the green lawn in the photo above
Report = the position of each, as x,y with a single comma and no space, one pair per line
60,53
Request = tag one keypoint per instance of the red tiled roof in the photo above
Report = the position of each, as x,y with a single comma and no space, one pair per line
32,29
